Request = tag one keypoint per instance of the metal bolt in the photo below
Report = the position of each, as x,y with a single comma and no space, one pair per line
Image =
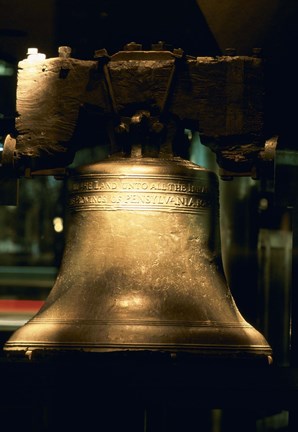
101,53
32,51
33,56
178,52
132,46
64,51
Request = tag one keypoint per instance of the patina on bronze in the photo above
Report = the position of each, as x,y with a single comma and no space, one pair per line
141,268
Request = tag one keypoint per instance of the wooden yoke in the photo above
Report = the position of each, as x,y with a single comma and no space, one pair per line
60,100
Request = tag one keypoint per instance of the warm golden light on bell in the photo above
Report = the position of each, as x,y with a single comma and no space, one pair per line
130,302
141,267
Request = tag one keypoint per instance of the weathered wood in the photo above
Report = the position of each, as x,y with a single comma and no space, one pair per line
222,96
49,95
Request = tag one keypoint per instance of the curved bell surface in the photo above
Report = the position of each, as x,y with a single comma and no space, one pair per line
140,269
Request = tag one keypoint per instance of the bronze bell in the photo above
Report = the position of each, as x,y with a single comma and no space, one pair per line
141,269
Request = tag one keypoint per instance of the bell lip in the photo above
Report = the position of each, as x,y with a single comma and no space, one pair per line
229,343
29,345
249,355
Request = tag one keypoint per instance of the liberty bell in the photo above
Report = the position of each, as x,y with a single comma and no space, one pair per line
141,269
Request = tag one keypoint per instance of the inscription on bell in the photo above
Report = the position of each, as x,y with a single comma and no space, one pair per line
123,194
122,185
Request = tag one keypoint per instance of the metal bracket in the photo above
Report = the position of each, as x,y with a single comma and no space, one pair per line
142,121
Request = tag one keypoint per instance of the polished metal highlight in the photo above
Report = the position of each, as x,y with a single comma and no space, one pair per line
141,268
